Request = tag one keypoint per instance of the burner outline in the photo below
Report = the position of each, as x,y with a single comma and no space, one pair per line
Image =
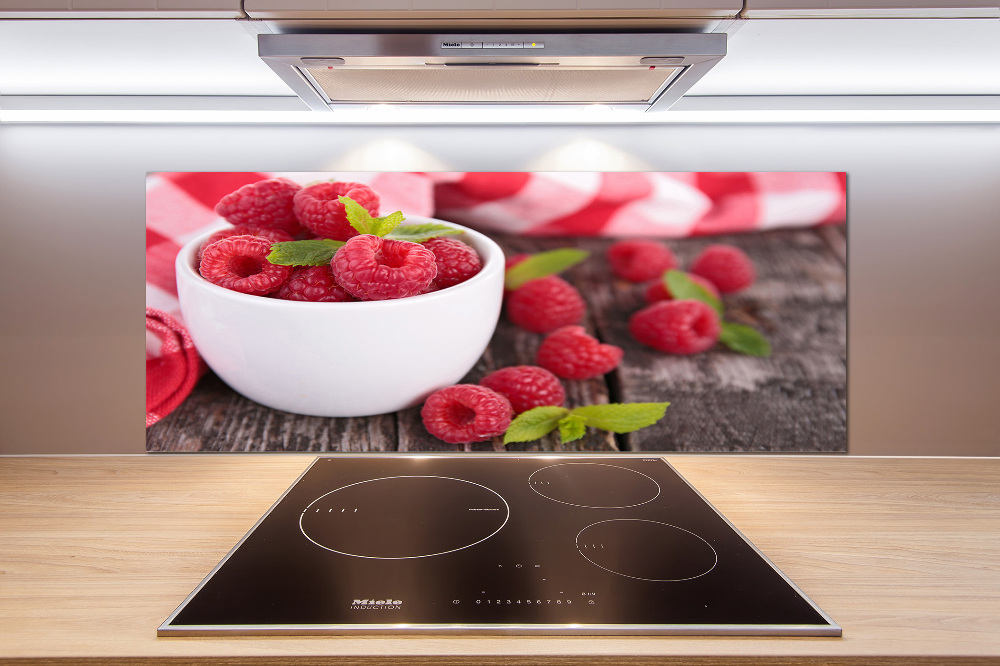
652,580
404,476
586,506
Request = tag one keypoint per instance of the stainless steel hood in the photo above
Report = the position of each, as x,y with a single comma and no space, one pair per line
648,71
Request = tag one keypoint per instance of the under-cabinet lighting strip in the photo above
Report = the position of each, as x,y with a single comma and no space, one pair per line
691,110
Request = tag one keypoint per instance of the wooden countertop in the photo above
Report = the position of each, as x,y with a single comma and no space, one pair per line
904,553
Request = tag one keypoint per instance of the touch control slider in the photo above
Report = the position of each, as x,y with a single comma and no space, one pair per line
493,45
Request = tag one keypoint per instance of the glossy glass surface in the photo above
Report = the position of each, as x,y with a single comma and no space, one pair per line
479,542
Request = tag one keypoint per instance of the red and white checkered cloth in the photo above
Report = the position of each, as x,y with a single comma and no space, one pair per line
666,205
181,206
173,366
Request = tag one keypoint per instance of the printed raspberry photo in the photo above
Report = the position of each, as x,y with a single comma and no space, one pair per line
676,327
266,204
390,286
466,413
571,353
456,261
319,209
376,269
313,284
640,260
526,386
545,304
240,263
726,266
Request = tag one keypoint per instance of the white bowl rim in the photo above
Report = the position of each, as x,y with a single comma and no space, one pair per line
185,265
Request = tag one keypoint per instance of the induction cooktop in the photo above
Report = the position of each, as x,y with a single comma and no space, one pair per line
502,544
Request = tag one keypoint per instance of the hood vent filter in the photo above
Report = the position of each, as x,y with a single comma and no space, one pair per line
648,70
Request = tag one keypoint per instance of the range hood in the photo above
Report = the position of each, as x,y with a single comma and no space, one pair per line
647,71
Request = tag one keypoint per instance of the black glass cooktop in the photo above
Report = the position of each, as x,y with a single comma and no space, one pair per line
495,544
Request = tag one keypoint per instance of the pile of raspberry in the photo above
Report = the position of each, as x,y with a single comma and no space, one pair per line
366,268
466,413
549,305
679,326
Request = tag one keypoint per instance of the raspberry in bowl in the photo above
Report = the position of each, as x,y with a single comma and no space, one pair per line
343,358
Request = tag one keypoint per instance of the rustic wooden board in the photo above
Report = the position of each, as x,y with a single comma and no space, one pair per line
216,418
796,400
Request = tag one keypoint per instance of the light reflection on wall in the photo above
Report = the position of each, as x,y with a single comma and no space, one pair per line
583,154
387,154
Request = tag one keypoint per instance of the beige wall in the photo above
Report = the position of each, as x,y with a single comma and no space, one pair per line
923,238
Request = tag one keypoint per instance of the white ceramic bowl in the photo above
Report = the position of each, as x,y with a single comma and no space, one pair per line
343,359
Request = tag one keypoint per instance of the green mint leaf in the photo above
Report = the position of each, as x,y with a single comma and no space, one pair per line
317,252
363,222
682,287
622,417
744,339
572,428
418,233
357,215
385,225
542,265
534,424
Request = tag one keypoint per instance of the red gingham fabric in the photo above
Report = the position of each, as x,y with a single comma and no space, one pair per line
651,204
180,207
172,366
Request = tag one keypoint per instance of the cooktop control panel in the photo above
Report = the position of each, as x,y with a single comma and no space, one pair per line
495,544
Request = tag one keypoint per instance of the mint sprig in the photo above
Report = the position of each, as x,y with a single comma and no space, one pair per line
682,287
363,222
316,252
738,337
573,423
418,233
542,265
320,251
534,424
572,427
743,339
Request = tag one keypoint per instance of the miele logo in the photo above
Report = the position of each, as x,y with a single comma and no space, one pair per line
376,604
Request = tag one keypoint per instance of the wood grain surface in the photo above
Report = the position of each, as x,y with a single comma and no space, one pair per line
795,400
904,554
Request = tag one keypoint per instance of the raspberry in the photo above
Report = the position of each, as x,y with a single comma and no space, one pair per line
431,288
318,207
676,327
240,263
572,354
266,203
640,260
725,266
313,283
657,291
466,413
456,261
526,386
377,269
545,304
275,235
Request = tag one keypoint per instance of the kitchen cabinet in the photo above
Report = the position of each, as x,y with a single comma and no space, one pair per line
901,552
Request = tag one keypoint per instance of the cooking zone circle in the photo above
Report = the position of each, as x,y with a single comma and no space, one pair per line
594,485
646,550
404,517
